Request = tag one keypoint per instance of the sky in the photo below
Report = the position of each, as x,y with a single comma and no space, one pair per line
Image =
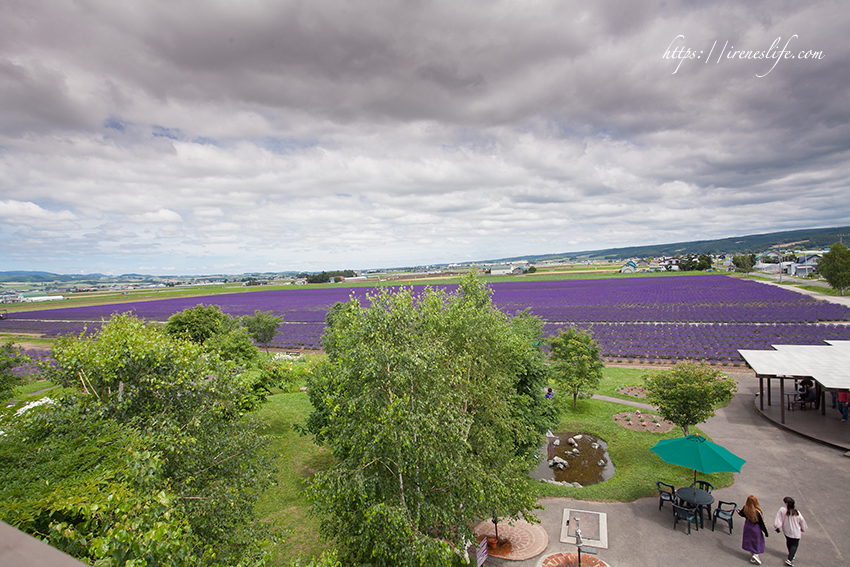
207,137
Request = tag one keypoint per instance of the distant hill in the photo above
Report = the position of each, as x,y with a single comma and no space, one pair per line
806,239
45,277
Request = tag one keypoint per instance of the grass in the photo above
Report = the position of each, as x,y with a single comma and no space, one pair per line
30,339
26,393
297,459
615,377
636,467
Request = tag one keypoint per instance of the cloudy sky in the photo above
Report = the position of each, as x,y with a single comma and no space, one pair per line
202,136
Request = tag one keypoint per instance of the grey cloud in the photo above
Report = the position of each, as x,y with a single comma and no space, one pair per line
398,131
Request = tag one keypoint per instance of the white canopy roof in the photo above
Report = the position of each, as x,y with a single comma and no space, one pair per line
829,365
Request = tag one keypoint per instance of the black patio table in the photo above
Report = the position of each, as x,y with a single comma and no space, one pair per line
696,497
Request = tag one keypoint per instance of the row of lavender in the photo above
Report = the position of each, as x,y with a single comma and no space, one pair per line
712,342
695,317
717,299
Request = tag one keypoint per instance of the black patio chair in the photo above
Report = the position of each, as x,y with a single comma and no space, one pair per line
666,493
686,514
707,486
720,513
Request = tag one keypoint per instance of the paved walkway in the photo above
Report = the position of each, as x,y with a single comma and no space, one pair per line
779,463
840,299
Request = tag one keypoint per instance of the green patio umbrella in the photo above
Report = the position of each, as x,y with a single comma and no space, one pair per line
698,453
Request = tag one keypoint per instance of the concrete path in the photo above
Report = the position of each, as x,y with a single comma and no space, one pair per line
779,464
840,299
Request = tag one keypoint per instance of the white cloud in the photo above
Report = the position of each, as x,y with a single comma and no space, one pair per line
160,216
29,213
213,137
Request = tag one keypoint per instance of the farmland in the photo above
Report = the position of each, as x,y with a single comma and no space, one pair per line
697,317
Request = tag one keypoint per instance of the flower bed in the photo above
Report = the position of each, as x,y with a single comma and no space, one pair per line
640,421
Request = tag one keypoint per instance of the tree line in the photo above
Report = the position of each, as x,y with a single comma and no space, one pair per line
325,277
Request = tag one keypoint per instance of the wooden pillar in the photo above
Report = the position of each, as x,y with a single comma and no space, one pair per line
782,401
761,393
768,390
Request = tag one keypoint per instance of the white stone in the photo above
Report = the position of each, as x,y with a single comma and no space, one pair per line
557,442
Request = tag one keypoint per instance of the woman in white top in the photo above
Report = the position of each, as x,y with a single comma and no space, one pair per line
792,523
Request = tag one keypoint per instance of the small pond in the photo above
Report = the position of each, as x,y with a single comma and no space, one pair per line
584,460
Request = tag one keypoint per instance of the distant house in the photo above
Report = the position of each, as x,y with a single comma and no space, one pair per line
805,265
505,270
629,267
669,264
40,296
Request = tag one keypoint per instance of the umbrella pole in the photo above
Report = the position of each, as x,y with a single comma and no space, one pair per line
695,476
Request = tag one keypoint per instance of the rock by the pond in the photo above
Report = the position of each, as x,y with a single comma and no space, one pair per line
594,446
577,437
558,461
575,451
577,485
601,463
557,442
572,442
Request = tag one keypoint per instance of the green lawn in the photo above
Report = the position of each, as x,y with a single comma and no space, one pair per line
297,458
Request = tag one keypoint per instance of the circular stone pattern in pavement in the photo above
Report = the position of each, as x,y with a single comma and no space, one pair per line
570,560
526,540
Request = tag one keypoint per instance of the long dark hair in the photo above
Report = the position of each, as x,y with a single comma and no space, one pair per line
790,508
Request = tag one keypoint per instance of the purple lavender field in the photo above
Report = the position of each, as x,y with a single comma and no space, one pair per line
664,318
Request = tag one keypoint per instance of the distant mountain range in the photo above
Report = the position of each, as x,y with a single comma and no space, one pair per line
806,239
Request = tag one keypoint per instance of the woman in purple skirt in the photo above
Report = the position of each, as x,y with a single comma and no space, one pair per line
754,529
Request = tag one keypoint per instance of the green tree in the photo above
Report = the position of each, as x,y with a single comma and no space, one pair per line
91,488
744,263
218,332
575,362
262,326
193,410
687,263
428,405
199,323
834,266
703,262
688,394
234,345
10,358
